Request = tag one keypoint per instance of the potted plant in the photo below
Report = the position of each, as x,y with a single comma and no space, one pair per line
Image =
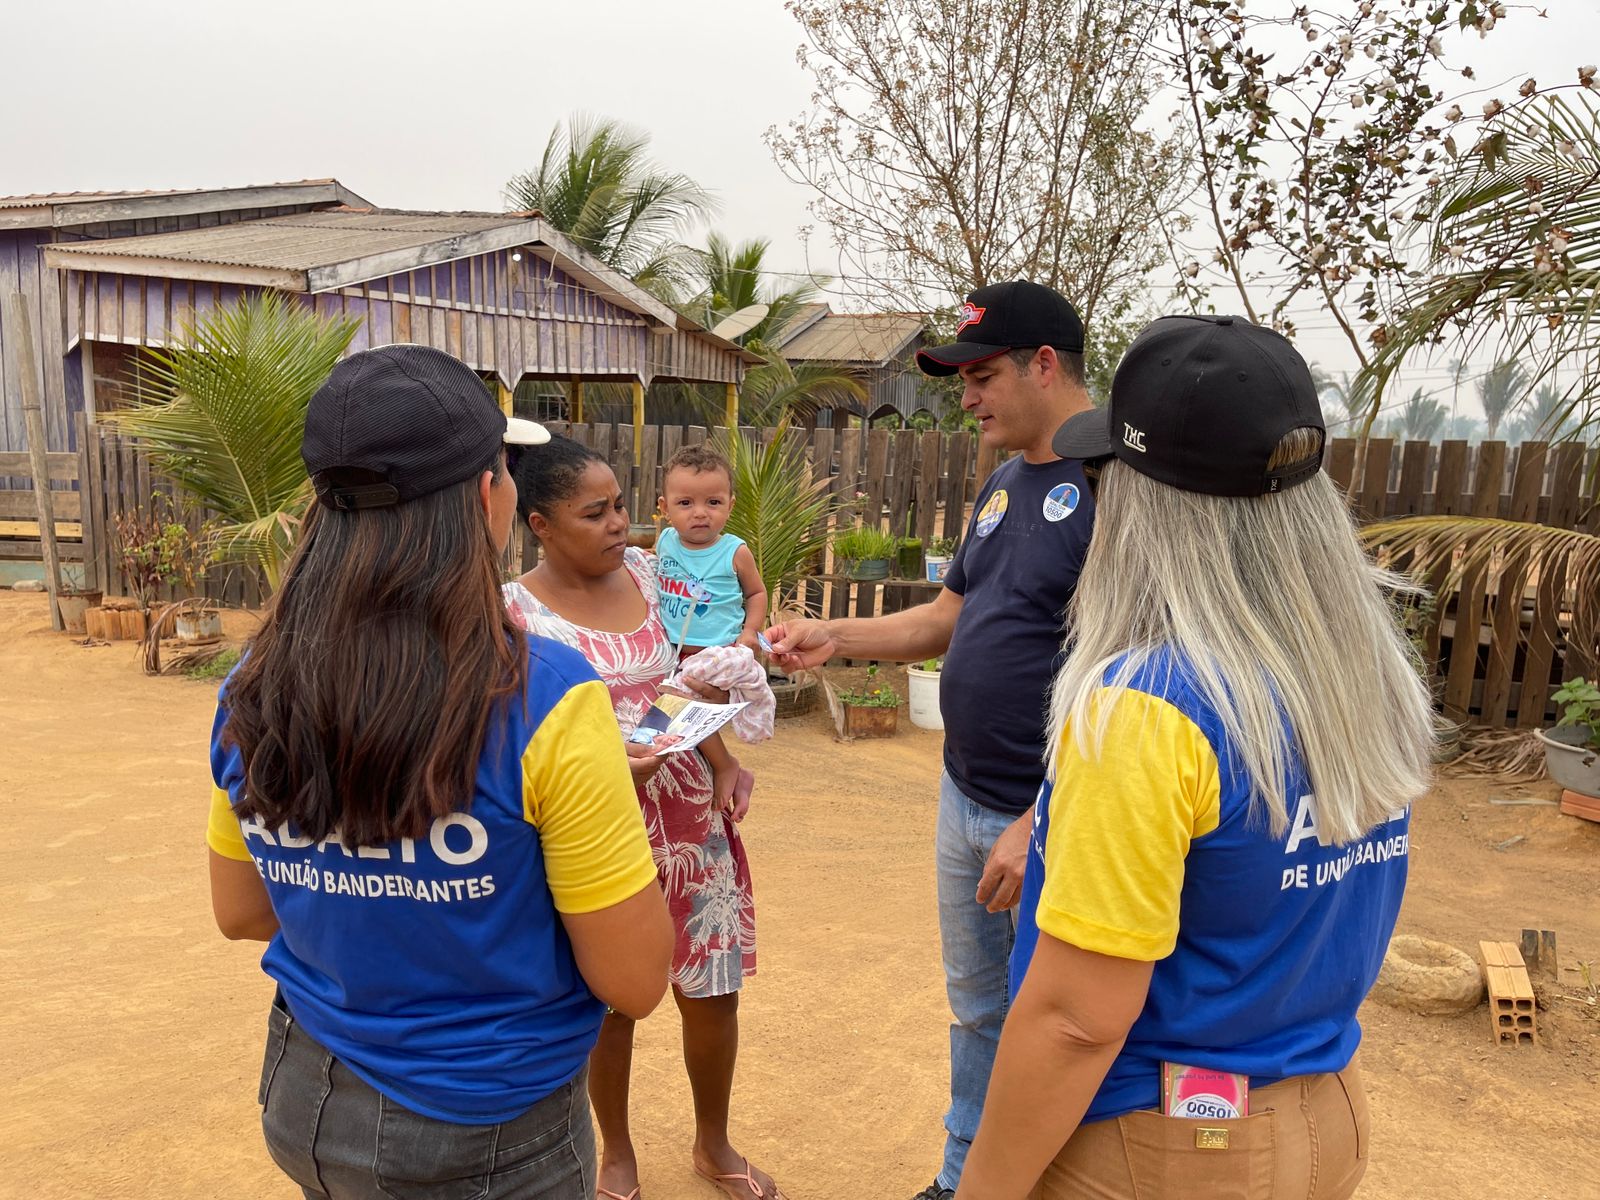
781,512
1572,748
74,604
923,684
863,553
871,710
941,550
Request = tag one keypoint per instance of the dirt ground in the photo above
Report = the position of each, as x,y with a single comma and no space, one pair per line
133,1031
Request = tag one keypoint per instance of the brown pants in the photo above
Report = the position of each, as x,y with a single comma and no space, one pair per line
1305,1138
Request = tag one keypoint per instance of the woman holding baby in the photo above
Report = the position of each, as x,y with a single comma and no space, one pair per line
595,593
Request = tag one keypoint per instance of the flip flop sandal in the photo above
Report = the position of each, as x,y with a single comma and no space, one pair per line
602,1194
746,1186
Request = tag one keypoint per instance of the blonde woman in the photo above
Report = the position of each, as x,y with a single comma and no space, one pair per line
1219,853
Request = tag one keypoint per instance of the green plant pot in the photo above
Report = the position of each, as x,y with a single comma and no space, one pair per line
908,561
867,568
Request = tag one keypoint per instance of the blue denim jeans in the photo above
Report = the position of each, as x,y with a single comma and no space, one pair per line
977,954
340,1139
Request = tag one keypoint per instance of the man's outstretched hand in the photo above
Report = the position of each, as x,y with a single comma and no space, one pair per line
801,644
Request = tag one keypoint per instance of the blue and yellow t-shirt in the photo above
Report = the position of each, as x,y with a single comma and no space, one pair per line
1264,947
437,968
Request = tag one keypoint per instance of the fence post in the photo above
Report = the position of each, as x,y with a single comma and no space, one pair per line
33,417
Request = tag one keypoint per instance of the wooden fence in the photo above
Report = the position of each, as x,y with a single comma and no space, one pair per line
925,482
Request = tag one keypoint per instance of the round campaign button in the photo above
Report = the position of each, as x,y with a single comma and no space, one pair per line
1061,502
993,512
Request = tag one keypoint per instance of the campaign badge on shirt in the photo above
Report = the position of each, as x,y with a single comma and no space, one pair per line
1062,502
993,513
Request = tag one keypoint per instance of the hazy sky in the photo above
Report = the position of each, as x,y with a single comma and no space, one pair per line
433,105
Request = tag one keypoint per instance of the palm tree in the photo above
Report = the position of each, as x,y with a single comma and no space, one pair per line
782,512
223,412
596,183
730,278
1421,418
779,390
1500,389
1458,372
1350,396
1545,416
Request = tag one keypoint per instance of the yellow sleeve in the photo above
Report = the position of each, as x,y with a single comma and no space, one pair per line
222,829
578,792
1120,828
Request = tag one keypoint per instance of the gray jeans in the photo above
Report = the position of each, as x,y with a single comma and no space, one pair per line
340,1139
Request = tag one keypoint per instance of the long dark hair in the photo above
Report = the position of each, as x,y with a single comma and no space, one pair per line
362,705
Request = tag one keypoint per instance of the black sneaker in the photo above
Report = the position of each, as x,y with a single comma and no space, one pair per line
935,1191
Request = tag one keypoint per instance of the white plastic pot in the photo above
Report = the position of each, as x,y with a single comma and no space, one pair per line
924,687
936,566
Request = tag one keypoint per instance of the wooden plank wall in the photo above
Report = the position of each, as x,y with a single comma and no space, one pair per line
122,481
1501,677
508,318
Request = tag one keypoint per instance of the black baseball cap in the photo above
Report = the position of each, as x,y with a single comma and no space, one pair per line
393,424
1200,404
1002,317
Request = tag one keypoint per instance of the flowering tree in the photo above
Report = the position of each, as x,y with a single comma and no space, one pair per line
1308,157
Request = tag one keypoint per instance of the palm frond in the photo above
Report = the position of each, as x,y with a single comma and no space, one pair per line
1513,254
223,412
781,512
1529,552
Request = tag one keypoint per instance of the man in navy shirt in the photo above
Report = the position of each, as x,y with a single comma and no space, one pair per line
998,621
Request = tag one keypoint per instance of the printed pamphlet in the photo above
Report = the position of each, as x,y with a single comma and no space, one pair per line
1204,1093
674,724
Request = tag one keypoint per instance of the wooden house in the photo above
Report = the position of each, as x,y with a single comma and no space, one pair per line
30,224
880,347
108,274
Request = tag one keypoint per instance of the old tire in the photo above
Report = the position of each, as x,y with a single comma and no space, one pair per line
1428,977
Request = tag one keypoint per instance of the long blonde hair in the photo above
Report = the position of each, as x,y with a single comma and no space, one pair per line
1279,616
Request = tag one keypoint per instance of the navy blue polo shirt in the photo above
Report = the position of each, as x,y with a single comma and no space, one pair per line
1015,571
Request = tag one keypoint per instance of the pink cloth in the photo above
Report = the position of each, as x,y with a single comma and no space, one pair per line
735,669
700,860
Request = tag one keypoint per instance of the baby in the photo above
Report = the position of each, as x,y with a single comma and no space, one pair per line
711,592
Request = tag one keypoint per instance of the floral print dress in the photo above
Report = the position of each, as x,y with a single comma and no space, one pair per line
699,858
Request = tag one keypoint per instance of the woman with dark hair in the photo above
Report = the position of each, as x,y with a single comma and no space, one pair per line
428,816
591,591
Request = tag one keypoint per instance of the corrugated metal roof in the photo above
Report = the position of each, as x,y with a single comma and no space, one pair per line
804,317
863,338
44,199
300,242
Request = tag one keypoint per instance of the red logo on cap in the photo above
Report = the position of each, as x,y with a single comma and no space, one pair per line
970,314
